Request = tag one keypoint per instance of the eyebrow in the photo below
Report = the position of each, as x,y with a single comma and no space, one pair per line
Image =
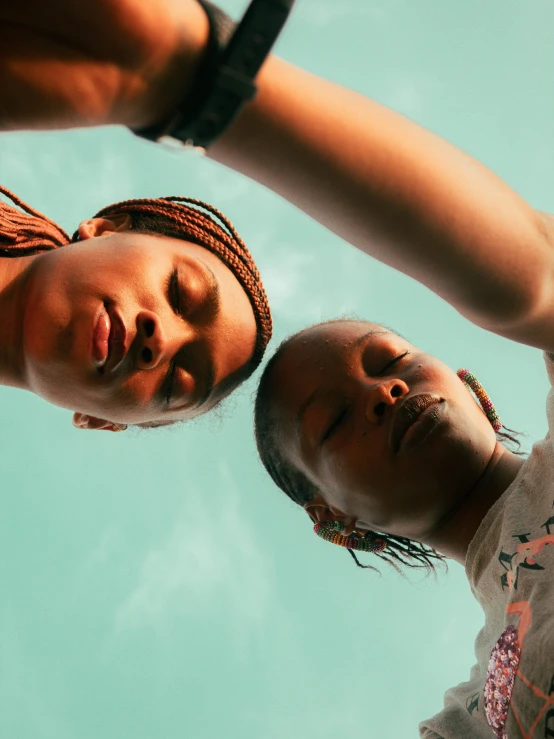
212,305
303,409
362,339
311,398
213,301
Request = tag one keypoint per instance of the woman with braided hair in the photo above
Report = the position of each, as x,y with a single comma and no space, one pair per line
151,313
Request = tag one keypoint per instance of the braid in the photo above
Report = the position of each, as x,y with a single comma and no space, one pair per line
27,231
196,221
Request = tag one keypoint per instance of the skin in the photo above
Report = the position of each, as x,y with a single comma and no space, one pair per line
394,190
52,302
105,61
334,393
401,195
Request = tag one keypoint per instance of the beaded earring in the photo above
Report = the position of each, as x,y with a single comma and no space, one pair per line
482,396
332,531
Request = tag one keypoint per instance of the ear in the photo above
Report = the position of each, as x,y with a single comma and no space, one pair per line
319,510
82,421
102,226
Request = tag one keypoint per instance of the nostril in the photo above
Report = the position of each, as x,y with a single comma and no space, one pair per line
396,391
148,327
379,409
146,355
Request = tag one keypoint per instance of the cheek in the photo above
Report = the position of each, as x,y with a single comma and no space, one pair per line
400,500
106,267
54,385
132,401
360,476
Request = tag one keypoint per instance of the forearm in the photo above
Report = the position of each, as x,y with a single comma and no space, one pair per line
394,190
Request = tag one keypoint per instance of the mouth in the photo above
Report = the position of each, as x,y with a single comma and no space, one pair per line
108,339
409,413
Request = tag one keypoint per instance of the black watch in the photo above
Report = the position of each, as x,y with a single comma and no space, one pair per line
225,77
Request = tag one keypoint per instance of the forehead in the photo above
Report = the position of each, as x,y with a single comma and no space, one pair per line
159,242
320,355
332,342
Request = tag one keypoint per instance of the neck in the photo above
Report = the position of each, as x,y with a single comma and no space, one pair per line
454,533
13,280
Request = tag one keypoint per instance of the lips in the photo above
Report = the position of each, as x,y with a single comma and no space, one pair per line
100,339
109,339
407,414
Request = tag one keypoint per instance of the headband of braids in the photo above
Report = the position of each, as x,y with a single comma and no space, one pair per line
26,232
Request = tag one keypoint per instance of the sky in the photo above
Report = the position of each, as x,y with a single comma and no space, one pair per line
157,584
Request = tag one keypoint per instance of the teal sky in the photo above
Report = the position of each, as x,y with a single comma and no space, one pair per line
156,584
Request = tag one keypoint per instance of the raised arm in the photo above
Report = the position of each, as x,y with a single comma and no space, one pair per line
402,195
376,179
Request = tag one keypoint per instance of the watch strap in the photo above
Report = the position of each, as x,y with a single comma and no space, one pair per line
225,78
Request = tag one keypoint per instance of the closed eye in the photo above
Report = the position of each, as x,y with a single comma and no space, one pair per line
174,291
393,362
335,424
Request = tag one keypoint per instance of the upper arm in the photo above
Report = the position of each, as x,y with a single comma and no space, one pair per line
533,324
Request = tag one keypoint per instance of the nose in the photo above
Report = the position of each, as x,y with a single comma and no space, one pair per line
151,341
382,396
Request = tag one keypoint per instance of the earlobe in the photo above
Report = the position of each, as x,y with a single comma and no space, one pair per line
102,226
82,421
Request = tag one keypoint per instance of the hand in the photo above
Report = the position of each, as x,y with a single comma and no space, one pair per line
65,63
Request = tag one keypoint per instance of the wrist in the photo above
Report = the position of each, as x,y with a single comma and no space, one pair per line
225,74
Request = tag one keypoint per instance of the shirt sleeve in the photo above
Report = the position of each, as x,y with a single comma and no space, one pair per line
463,715
549,362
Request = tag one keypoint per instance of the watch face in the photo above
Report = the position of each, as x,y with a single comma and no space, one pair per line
172,144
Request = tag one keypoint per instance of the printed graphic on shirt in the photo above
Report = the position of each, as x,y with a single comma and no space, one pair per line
524,556
472,703
501,675
504,664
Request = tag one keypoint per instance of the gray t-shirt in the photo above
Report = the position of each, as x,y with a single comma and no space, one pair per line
510,568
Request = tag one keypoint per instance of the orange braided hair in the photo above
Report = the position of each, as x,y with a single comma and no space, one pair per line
30,232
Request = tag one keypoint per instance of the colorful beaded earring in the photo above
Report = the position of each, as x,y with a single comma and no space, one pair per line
482,396
332,531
